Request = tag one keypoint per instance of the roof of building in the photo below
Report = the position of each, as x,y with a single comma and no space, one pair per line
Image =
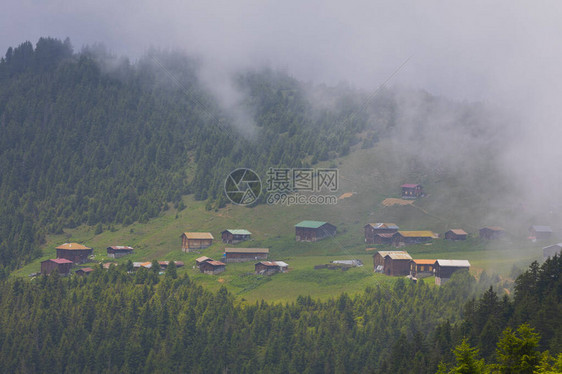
409,185
59,261
85,270
493,228
383,225
238,231
458,231
399,256
246,250
424,261
310,224
203,259
454,263
198,235
215,263
121,247
107,265
385,253
559,245
418,234
72,246
540,228
282,264
268,263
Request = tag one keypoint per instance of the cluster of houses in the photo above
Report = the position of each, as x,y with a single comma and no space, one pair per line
400,263
71,254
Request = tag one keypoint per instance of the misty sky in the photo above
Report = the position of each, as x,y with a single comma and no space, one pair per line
471,50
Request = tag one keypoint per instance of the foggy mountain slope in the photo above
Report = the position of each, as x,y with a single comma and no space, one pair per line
89,139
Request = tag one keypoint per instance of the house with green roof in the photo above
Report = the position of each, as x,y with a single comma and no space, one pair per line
233,236
311,231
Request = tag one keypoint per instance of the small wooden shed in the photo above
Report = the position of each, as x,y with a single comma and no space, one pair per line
539,232
117,251
212,267
402,238
74,252
411,191
311,231
491,232
456,234
373,231
195,240
62,265
392,262
233,236
552,250
270,267
84,271
444,269
245,254
420,268
200,260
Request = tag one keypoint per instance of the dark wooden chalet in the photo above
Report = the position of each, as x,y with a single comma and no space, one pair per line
245,254
374,229
164,264
402,238
233,236
537,232
311,231
421,268
62,265
444,269
74,252
455,234
491,232
212,267
552,250
392,263
116,251
84,271
270,267
200,260
411,191
196,240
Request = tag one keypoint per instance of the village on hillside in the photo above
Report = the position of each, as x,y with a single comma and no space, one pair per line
388,262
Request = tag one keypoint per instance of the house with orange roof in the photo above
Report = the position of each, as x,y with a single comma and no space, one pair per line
196,240
421,268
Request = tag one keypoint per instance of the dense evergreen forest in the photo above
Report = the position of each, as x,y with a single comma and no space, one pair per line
113,321
88,138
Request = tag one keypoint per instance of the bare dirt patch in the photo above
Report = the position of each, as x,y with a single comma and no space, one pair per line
393,201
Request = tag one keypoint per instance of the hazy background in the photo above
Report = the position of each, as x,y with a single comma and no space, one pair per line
506,54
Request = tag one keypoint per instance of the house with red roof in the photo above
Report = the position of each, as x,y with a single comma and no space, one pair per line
62,265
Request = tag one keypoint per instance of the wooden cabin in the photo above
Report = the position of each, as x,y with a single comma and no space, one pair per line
420,268
491,232
245,254
552,250
84,271
374,229
537,232
411,191
402,238
117,251
212,267
200,260
392,263
455,234
311,231
270,267
233,236
74,252
444,269
164,264
62,265
195,240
